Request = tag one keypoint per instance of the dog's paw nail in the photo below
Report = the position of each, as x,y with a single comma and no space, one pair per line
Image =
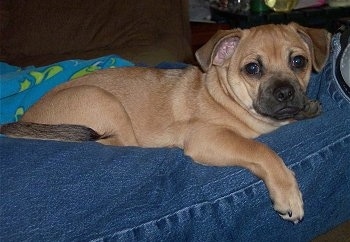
298,221
289,213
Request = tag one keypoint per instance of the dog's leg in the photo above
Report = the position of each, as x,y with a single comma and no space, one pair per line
218,146
87,106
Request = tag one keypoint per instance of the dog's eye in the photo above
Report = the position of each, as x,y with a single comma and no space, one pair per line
298,62
253,69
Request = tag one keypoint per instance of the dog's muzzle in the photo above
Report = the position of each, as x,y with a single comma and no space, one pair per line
283,100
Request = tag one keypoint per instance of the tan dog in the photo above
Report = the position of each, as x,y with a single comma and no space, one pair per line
254,82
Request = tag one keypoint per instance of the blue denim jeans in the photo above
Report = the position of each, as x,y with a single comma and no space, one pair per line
57,191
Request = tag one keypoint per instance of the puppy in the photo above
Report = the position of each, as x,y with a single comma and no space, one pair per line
253,82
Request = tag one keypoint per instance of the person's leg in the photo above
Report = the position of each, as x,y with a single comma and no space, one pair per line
342,62
331,86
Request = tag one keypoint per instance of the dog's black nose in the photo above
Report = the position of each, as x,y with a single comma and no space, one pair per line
284,93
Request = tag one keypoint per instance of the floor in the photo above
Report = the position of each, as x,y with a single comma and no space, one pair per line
338,234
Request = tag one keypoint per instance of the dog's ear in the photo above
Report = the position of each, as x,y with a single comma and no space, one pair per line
318,41
218,49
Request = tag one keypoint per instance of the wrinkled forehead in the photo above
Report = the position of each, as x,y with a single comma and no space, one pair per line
269,35
274,43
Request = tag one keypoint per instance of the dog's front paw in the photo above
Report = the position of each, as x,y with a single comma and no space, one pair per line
291,207
311,109
287,200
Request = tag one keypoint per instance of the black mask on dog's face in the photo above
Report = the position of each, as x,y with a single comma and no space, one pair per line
284,99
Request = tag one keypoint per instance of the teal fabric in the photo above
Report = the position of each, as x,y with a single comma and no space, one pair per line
20,88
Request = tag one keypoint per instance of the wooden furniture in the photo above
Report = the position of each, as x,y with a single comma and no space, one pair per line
321,17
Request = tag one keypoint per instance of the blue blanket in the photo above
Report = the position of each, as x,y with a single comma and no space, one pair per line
21,88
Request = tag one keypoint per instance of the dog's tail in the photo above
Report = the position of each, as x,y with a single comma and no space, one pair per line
62,132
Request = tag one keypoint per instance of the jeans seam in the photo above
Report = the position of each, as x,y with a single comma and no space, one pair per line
345,139
176,213
322,132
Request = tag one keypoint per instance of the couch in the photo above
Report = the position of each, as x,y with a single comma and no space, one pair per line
61,191
42,32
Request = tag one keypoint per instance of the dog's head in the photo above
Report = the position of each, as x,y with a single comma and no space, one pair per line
266,69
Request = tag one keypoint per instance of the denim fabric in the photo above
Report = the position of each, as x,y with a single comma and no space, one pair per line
93,192
58,191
